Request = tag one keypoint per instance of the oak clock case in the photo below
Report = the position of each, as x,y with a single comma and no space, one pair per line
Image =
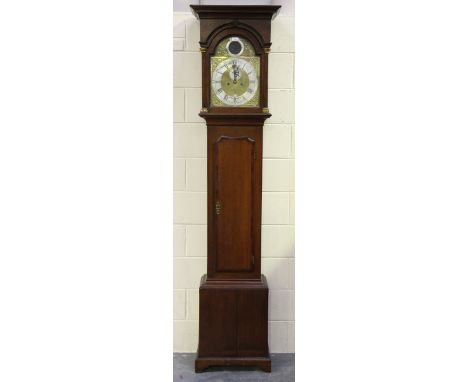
233,294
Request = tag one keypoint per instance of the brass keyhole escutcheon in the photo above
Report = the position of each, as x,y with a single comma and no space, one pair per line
218,207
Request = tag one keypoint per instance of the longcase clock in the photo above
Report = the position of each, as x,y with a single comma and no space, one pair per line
233,316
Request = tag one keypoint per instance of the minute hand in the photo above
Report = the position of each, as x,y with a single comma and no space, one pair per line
235,72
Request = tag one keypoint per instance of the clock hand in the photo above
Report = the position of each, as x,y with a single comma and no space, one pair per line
236,72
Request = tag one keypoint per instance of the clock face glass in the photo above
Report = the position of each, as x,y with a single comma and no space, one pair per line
235,74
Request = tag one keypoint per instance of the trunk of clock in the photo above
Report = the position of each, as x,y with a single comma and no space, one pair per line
233,313
234,202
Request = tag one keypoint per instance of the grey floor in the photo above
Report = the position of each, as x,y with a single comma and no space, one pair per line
282,370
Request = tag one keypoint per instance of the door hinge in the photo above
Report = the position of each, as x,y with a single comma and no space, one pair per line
218,207
253,260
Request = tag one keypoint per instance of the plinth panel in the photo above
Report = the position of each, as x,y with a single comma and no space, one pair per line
233,324
217,323
252,321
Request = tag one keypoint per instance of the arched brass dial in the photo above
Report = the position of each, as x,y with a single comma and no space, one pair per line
235,74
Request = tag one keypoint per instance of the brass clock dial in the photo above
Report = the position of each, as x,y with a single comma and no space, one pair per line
234,81
235,74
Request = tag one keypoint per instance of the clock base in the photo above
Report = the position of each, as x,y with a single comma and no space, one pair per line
202,363
233,324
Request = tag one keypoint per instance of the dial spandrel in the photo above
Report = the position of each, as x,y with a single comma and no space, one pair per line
235,71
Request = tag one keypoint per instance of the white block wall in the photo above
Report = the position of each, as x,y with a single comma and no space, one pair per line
190,244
